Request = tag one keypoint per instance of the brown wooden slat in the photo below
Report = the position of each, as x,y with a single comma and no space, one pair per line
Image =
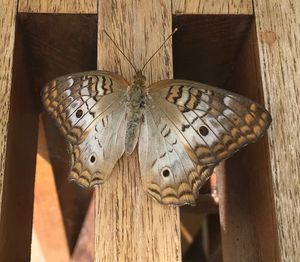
7,23
246,196
278,31
18,101
131,226
227,7
58,6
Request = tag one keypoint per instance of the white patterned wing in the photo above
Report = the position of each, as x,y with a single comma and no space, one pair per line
214,122
208,125
168,172
94,158
89,110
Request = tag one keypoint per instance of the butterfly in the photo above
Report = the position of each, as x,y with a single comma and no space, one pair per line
182,129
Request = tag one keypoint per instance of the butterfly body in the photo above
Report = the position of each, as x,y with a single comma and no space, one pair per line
183,129
134,112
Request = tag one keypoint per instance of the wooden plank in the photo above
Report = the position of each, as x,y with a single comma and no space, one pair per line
234,7
7,33
278,33
58,6
246,195
47,222
20,155
131,226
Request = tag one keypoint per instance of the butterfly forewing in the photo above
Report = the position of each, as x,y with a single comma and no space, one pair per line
214,122
77,100
89,108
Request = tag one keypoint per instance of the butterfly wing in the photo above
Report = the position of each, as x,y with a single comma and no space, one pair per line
168,172
206,125
89,109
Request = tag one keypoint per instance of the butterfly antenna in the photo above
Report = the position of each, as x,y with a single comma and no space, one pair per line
135,69
174,31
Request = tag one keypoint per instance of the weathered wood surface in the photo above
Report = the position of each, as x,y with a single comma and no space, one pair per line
7,37
58,6
212,7
246,195
19,159
278,30
131,226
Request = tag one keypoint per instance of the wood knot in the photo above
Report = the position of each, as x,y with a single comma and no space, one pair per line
268,37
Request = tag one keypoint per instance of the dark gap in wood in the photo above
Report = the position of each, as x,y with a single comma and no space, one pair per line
206,47
222,51
206,204
17,201
58,44
206,245
248,204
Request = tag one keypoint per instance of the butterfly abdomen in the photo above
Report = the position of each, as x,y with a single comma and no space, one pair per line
134,115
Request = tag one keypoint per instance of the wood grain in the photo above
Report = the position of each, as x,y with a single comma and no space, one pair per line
7,33
212,7
20,156
246,193
58,6
278,30
131,226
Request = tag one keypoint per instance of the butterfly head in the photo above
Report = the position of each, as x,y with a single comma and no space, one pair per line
139,78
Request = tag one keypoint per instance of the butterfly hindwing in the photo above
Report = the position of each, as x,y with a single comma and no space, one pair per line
93,160
168,172
89,109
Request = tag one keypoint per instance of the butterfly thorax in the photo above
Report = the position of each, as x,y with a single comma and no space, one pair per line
134,112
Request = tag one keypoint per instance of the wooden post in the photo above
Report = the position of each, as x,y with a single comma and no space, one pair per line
245,190
18,140
58,6
130,225
7,23
278,32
